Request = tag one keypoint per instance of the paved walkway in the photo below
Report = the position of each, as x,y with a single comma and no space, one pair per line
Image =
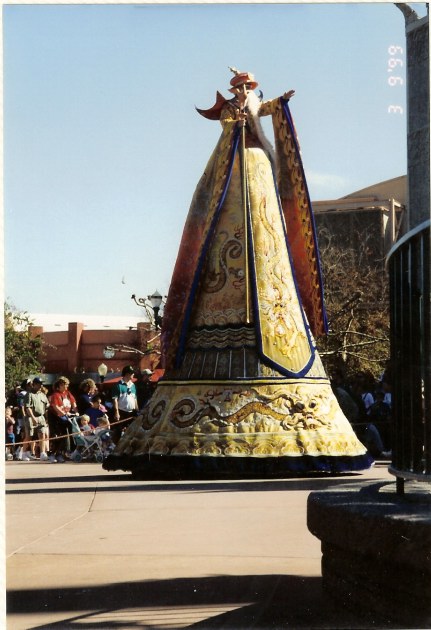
88,548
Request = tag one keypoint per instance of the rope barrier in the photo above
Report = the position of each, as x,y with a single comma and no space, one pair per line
62,437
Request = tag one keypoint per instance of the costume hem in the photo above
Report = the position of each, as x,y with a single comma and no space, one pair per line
179,466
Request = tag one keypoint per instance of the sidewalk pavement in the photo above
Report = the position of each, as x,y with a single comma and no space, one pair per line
88,548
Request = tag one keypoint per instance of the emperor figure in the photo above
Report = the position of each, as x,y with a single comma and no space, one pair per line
244,387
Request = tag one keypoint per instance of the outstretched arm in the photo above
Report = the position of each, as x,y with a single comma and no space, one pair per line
268,107
288,95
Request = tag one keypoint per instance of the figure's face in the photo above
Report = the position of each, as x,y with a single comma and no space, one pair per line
242,90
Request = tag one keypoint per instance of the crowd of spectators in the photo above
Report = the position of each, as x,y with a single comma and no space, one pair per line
38,418
367,404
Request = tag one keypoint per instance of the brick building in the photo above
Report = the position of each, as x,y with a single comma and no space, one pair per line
76,348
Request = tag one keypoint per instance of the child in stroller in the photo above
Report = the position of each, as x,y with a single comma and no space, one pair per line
91,444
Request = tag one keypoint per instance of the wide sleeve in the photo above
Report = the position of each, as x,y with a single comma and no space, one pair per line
268,108
298,215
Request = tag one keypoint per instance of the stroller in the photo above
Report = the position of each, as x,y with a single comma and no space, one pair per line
95,446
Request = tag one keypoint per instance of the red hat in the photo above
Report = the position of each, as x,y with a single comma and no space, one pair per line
241,78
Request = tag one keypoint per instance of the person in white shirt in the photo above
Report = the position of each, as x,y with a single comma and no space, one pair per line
124,402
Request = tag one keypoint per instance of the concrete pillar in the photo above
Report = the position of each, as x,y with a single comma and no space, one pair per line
418,116
74,343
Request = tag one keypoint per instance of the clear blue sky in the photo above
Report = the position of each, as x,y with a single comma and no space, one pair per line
103,147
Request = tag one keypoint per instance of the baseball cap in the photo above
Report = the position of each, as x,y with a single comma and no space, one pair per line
37,381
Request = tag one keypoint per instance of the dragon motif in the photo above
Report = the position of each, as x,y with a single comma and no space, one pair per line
153,415
218,272
186,414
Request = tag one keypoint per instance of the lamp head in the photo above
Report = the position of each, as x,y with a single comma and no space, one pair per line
155,299
102,370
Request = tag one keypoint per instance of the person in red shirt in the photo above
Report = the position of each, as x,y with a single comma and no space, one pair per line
61,404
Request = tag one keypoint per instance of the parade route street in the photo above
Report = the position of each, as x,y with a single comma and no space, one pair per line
87,548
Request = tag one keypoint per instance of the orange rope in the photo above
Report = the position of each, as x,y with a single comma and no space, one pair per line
62,437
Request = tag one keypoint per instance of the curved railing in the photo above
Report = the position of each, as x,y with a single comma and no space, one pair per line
410,296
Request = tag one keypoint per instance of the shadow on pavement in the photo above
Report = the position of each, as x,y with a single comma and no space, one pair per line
127,485
228,602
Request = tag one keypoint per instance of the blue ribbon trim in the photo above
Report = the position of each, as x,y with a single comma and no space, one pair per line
202,257
267,360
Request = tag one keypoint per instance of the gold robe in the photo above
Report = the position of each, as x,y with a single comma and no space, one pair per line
243,376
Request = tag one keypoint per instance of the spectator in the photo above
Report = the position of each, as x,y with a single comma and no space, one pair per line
36,404
368,399
10,434
23,429
95,411
373,441
386,388
363,392
85,426
102,423
85,429
380,417
104,434
62,404
125,402
347,404
12,399
87,389
144,387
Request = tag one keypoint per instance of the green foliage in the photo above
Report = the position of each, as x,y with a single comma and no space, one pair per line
22,350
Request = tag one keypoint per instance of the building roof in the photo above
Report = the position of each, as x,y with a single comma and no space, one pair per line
395,188
376,195
51,322
382,196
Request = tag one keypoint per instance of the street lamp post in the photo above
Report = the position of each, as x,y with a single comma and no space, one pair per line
155,302
102,371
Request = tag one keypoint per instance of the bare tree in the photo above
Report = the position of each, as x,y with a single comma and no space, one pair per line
357,303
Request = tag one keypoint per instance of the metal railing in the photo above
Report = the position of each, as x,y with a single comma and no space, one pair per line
410,297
